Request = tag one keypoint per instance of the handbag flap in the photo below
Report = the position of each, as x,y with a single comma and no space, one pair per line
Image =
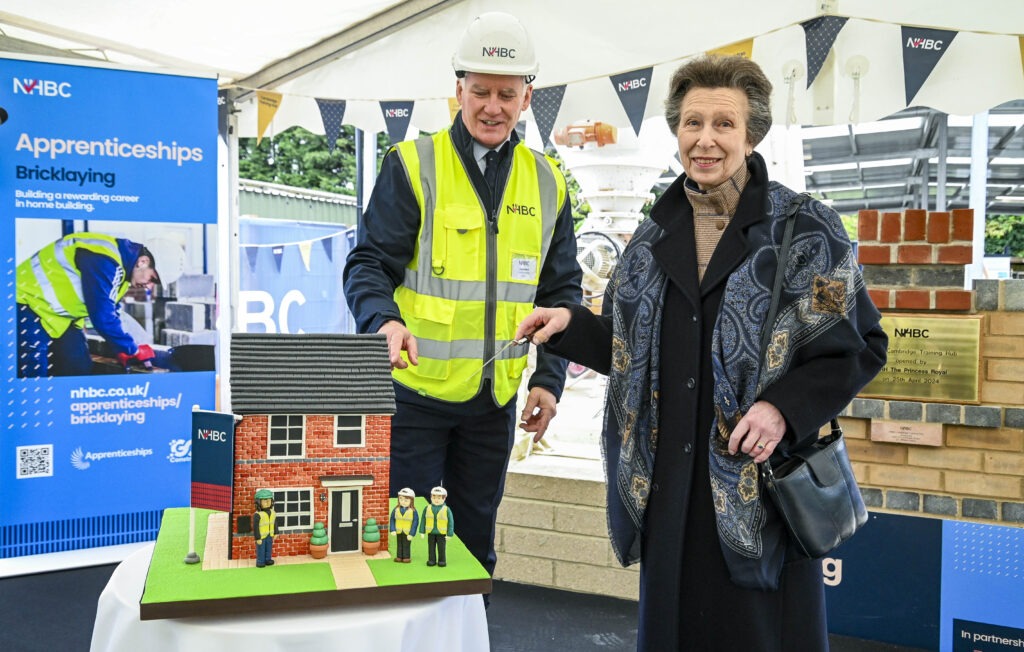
824,466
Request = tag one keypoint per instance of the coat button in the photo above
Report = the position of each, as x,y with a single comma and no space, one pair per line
695,319
691,383
688,449
655,488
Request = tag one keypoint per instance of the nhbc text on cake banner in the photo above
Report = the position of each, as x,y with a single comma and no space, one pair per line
100,168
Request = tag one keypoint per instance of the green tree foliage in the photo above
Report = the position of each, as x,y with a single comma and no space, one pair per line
300,158
1004,235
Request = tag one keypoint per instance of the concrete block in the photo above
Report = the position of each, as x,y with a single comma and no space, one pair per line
940,505
522,484
942,413
588,521
1013,295
1013,512
903,500
984,416
872,497
556,545
986,294
526,513
974,508
905,410
1014,417
868,408
525,569
617,582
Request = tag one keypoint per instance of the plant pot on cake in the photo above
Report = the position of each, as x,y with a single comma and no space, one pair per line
371,537
318,541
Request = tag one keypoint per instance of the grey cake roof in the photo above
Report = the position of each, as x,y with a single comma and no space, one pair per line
274,373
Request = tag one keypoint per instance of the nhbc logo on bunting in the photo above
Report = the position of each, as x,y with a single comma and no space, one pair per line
43,87
923,43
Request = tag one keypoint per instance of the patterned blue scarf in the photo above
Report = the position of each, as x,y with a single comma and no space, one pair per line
822,281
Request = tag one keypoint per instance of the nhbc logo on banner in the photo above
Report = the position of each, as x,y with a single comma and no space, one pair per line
43,87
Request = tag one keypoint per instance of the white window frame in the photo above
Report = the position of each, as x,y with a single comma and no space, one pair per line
271,442
305,516
362,431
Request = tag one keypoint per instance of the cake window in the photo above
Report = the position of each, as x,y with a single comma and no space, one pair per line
294,508
286,437
349,430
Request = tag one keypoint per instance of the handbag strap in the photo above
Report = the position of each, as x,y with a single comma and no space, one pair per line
780,274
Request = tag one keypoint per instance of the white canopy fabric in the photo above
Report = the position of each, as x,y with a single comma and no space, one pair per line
402,51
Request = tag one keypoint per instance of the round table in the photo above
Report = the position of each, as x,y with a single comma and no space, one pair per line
442,624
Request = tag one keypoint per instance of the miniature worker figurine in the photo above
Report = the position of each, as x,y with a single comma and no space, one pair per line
263,521
438,524
404,521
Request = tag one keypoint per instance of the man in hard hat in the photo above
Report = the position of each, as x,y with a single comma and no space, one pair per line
451,253
437,524
81,276
264,525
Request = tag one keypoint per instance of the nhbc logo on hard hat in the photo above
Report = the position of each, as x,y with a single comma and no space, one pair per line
496,51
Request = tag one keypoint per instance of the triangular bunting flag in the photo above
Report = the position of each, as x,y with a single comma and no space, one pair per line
633,88
742,48
304,250
820,33
922,49
453,108
546,103
252,253
267,104
332,112
278,252
397,116
328,244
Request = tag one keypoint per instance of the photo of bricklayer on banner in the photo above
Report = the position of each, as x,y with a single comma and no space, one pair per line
108,189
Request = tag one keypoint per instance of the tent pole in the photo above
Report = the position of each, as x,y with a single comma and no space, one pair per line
978,195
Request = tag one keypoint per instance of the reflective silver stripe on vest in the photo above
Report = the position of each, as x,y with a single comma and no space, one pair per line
47,287
428,177
466,290
469,349
548,203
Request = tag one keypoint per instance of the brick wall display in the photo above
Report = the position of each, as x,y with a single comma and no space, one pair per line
914,261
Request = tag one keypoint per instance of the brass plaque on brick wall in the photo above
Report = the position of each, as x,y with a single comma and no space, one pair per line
931,358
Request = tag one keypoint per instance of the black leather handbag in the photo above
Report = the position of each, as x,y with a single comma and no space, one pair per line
814,490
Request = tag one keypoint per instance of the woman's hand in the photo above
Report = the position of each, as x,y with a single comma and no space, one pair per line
543,323
758,432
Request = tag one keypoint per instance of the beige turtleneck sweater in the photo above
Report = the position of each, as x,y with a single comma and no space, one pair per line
712,210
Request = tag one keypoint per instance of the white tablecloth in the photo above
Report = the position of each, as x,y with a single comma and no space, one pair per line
442,624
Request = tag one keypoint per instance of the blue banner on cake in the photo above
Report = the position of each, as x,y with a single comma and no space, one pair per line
108,190
213,459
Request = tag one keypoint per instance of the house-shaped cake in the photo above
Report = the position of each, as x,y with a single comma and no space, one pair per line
316,431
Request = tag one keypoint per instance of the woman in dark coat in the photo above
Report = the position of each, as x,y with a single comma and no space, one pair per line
690,411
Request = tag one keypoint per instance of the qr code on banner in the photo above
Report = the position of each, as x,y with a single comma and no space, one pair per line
35,461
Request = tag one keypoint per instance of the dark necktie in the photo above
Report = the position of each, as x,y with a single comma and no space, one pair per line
491,170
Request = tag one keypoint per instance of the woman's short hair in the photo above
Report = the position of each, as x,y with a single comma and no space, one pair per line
713,71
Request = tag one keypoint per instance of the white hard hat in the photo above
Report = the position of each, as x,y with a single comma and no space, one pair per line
407,492
439,491
496,43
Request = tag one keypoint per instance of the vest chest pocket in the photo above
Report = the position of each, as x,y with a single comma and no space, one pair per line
463,254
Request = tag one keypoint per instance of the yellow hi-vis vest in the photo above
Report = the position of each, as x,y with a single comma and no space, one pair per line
442,519
50,284
467,288
403,520
267,520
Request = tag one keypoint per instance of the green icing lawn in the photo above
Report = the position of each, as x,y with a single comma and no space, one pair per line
171,580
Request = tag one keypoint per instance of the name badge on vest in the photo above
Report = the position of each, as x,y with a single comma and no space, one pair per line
524,268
